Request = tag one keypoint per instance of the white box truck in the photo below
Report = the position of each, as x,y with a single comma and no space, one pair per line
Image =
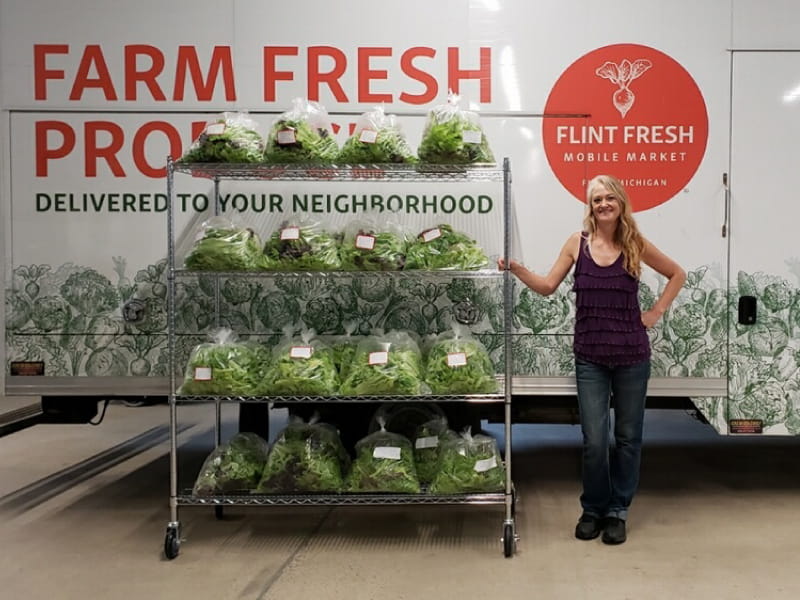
695,106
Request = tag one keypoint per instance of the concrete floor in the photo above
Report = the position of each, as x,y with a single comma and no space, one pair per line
83,512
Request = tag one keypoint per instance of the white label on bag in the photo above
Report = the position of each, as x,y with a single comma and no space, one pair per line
286,136
390,452
484,465
378,358
470,136
368,136
215,129
202,373
301,352
290,233
365,242
431,234
456,359
429,441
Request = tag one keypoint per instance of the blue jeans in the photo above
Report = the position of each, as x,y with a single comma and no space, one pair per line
611,475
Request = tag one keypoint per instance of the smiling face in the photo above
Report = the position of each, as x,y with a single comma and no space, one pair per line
605,204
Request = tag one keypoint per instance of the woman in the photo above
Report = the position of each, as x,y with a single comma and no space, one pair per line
611,346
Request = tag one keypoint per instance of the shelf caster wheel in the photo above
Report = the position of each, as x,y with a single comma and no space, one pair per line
509,540
172,543
219,513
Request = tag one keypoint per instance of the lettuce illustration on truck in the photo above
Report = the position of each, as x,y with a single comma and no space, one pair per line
386,365
302,134
305,457
302,245
454,136
384,463
368,247
234,466
303,366
233,138
469,463
442,247
457,363
226,367
377,138
223,246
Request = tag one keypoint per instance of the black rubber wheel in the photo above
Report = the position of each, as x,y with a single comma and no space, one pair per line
218,513
508,540
172,544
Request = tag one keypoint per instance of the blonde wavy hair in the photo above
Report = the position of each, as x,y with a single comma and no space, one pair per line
627,235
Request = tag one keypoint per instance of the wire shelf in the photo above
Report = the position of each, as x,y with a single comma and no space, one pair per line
479,398
344,499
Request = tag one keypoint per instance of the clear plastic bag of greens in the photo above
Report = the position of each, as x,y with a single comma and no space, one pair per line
428,441
367,246
454,136
226,367
232,138
303,366
458,363
305,457
221,245
388,364
302,134
384,463
344,348
234,466
377,138
469,463
442,247
302,244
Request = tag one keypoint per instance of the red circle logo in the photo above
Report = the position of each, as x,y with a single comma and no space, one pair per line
647,123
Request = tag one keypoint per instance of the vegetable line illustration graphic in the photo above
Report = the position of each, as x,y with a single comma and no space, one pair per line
622,74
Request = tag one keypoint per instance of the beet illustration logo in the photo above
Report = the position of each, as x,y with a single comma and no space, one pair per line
622,75
647,123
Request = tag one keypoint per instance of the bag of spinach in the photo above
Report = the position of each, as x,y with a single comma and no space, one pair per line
303,366
453,136
377,138
226,367
302,134
442,247
223,246
368,246
232,138
428,442
305,457
234,466
384,463
388,364
469,463
302,244
457,363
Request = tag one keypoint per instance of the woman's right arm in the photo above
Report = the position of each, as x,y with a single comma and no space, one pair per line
547,284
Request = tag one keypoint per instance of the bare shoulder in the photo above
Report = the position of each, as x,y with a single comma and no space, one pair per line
573,245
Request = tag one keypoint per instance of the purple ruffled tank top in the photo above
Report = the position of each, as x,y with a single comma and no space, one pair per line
608,321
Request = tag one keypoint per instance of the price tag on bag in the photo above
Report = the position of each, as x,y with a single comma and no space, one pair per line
301,352
456,359
215,129
202,373
481,466
431,234
390,452
470,136
378,358
286,136
365,242
290,233
429,441
368,136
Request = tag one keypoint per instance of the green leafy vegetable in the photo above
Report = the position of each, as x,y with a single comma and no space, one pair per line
469,464
453,136
442,247
305,457
384,463
302,134
302,247
225,247
377,138
231,139
387,365
428,442
235,466
226,368
303,368
458,364
368,249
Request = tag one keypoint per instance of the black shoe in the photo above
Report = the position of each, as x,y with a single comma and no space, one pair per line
614,531
588,527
